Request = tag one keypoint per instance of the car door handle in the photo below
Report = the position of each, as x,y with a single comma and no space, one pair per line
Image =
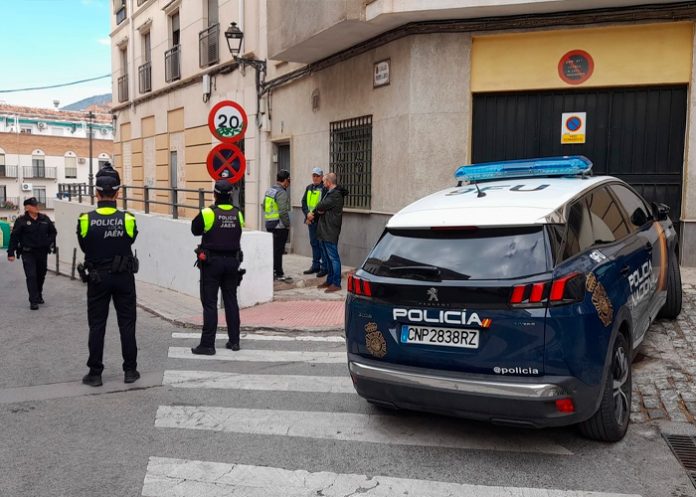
649,247
625,270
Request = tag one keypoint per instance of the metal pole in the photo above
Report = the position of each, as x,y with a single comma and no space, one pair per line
175,203
90,116
125,197
146,199
74,263
57,261
201,198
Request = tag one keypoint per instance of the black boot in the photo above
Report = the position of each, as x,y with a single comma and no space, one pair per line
232,346
92,379
131,376
203,350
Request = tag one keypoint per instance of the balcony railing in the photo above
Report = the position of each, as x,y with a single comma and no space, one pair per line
46,203
172,64
123,88
39,172
9,203
7,171
71,172
121,15
208,45
145,77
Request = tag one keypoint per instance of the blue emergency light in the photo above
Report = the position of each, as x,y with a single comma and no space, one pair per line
526,168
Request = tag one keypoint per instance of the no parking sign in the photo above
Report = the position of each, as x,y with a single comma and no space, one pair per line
226,161
573,127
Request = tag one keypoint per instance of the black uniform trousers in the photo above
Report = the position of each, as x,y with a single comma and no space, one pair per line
35,265
219,272
280,237
120,287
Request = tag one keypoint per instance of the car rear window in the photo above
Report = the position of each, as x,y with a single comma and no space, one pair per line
462,254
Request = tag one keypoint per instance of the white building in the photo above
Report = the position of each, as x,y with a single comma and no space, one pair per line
41,149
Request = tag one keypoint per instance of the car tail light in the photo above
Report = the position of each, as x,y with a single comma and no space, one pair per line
565,405
358,286
563,290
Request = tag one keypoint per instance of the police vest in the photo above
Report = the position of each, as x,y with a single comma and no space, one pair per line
222,228
106,233
270,206
313,197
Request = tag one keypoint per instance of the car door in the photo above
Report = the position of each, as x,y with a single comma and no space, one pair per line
650,283
610,226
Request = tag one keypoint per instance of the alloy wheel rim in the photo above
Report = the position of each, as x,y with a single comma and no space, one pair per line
621,386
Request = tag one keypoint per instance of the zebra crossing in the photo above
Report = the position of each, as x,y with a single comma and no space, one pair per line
227,373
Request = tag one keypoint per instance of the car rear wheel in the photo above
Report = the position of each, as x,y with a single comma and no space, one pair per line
610,422
673,305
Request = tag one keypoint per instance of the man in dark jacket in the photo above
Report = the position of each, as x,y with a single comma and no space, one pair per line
330,214
33,237
311,198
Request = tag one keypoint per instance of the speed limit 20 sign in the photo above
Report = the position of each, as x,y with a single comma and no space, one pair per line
227,121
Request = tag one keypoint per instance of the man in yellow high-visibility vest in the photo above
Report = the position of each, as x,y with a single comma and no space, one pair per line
312,195
276,211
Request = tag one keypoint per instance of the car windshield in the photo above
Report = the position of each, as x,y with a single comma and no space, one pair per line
459,254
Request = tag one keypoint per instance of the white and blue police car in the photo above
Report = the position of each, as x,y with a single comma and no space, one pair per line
517,297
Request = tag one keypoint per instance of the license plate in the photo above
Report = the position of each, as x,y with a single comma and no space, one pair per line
446,337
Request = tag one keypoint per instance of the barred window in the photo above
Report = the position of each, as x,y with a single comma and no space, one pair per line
351,159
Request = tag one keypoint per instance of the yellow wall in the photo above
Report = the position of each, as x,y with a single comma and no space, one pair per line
623,56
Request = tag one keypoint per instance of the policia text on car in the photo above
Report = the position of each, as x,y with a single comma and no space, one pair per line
33,237
218,257
105,236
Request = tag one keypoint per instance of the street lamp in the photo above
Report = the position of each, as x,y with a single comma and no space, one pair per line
234,37
90,117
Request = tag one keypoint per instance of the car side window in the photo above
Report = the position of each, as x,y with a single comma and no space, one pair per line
579,235
608,222
633,205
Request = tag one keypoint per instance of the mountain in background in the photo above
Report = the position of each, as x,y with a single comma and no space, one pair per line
97,100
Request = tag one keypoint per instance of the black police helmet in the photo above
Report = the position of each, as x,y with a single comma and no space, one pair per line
108,181
223,187
282,175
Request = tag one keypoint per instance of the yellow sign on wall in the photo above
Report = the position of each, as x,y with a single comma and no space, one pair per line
638,54
573,129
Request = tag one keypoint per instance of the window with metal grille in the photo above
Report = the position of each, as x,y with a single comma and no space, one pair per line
351,159
71,167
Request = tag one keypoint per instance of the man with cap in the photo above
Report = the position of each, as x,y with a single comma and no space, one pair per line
219,257
312,195
105,236
276,210
33,237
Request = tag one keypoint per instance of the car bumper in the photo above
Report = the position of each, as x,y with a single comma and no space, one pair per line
518,401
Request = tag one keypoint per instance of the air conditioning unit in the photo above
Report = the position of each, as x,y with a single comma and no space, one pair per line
103,131
26,187
81,160
41,124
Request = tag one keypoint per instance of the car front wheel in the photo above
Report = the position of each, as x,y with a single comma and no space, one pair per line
610,422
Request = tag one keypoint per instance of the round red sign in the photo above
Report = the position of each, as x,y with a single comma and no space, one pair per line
226,161
228,121
575,67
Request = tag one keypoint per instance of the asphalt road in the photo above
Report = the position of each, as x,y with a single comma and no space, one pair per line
280,419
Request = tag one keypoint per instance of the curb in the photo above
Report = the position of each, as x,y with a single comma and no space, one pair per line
247,328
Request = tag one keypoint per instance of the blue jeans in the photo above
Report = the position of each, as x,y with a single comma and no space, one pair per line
333,263
318,258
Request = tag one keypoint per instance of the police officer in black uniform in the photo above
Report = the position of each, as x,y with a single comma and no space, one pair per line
33,237
219,257
105,236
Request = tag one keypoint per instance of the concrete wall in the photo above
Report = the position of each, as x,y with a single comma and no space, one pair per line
165,249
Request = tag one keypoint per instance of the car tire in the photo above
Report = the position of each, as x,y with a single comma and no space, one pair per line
673,304
610,422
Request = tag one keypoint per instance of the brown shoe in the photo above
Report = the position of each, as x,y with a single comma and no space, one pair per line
323,285
332,288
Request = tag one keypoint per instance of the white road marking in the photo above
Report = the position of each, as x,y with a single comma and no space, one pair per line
167,477
247,355
275,338
399,430
236,381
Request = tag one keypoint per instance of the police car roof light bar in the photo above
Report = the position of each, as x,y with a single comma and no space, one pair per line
526,168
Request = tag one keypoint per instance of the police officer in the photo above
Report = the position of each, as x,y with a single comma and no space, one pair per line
276,208
33,237
312,195
105,236
219,257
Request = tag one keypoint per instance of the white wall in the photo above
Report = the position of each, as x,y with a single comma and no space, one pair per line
165,249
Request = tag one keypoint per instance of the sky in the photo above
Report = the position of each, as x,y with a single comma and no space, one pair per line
49,42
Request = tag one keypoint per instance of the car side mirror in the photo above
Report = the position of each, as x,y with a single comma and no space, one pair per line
639,217
660,211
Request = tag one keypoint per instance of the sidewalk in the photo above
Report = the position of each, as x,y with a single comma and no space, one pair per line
297,305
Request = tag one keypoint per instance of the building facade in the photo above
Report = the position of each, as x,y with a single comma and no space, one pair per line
42,148
394,96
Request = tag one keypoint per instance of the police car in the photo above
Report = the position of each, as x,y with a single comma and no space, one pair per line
517,297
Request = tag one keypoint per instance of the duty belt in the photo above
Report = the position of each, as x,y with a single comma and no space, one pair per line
223,253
